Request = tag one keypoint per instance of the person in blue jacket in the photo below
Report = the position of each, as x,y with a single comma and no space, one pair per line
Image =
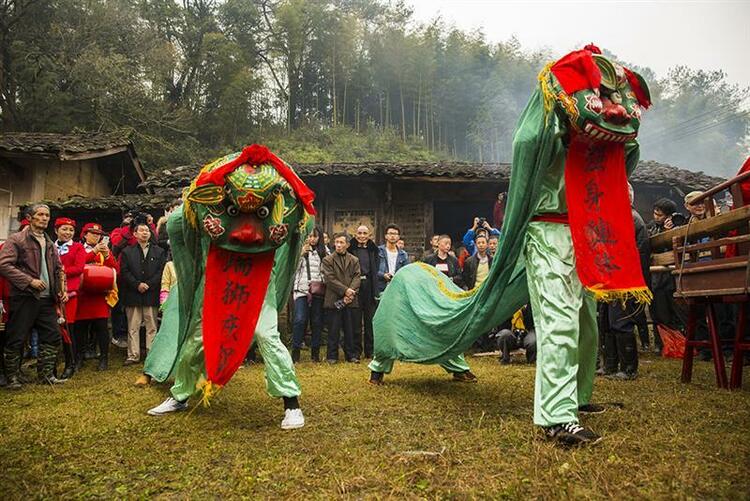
480,224
391,258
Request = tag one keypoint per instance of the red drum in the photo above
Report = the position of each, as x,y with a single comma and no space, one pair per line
98,279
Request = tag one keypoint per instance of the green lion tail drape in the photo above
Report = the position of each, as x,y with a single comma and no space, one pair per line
423,317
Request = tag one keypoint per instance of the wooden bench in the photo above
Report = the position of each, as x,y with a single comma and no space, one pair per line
706,276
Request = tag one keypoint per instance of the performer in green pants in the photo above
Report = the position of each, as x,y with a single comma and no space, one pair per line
567,241
236,242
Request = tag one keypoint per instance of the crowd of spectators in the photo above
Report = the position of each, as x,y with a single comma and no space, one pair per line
56,298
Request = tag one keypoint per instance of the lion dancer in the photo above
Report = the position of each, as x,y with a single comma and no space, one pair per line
235,272
579,245
568,240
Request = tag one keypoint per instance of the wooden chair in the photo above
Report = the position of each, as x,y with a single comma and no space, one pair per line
705,276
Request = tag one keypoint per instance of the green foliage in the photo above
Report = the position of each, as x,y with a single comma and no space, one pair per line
358,79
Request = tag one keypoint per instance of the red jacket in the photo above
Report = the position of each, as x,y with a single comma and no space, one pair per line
73,261
92,307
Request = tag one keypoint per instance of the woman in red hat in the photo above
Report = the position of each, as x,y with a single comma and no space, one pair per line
94,308
73,258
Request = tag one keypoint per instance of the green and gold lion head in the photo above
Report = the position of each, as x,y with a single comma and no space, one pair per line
246,205
595,95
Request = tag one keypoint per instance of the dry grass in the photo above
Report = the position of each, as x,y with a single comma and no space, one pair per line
419,436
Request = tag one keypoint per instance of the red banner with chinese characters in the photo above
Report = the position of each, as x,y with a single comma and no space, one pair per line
601,222
236,285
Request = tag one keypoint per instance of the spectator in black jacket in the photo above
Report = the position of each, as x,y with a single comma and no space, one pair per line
364,249
477,267
141,267
663,308
444,261
620,351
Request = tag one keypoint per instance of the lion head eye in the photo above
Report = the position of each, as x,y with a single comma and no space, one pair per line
263,212
233,210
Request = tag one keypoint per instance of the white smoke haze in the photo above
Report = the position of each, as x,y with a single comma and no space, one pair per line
694,55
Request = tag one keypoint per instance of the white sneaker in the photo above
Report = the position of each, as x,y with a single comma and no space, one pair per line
169,405
293,419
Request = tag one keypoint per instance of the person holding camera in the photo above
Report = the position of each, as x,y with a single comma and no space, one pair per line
308,294
341,274
666,217
480,225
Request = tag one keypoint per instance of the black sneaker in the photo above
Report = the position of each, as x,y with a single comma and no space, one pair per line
571,434
591,409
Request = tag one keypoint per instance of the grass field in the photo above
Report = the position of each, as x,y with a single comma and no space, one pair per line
419,436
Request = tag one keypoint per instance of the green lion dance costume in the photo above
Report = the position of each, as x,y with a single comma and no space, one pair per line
235,242
567,241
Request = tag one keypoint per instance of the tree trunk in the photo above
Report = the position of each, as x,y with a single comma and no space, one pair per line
343,105
356,116
388,108
333,66
403,114
419,106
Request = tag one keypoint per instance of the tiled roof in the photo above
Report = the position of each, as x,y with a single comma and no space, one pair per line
143,201
61,145
647,172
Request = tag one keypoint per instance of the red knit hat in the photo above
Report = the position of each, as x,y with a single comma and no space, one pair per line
93,228
60,221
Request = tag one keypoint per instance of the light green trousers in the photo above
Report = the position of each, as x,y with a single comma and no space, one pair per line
457,364
565,323
281,380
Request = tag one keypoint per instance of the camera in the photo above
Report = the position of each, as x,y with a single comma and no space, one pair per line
481,222
339,304
678,219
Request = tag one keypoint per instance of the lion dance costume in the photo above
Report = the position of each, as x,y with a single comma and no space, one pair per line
567,240
235,242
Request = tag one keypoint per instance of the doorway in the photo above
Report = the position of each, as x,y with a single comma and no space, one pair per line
454,218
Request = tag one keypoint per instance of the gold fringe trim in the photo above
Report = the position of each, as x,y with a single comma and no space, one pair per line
187,205
208,390
547,94
641,295
444,288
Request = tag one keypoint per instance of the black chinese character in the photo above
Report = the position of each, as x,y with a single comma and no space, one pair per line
593,195
225,354
595,159
600,232
235,293
239,264
604,262
231,326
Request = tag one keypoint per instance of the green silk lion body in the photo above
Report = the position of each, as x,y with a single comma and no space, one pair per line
249,211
